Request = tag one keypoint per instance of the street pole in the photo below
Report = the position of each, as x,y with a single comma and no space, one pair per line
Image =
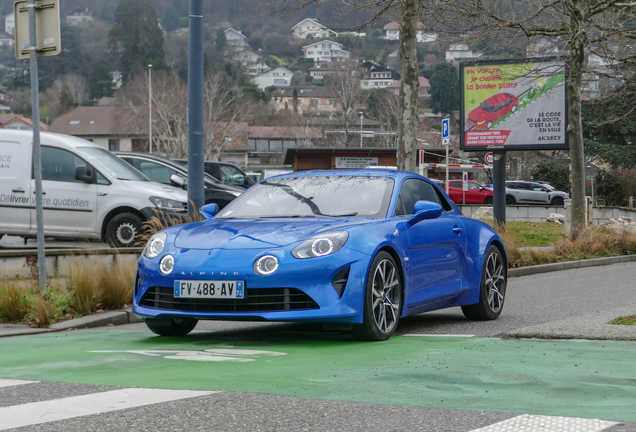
196,155
361,119
37,153
499,188
447,145
150,107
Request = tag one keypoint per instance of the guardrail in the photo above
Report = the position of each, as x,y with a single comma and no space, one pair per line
23,263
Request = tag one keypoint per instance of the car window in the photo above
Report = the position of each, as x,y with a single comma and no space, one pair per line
455,184
231,175
473,186
412,191
59,165
154,171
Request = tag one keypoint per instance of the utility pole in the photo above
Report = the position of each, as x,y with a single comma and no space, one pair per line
150,108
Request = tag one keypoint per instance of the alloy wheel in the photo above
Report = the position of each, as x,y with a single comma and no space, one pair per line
386,296
495,282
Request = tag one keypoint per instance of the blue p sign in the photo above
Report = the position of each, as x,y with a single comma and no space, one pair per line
445,128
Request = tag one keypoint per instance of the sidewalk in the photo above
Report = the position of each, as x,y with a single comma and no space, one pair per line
587,327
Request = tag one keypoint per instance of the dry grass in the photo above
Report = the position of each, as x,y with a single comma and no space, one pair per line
12,301
156,224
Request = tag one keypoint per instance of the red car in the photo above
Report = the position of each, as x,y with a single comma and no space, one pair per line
476,193
492,109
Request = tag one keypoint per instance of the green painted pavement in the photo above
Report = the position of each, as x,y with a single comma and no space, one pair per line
593,379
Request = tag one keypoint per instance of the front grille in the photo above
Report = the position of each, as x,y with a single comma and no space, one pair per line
256,300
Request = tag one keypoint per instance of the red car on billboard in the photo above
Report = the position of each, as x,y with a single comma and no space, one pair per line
492,109
476,193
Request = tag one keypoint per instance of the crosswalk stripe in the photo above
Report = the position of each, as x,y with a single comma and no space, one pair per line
91,404
531,423
5,382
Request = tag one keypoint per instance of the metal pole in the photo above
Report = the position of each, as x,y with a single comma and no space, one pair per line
447,145
499,188
196,155
37,154
150,107
361,119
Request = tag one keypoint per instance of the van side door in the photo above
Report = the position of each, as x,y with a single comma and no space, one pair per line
70,204
15,188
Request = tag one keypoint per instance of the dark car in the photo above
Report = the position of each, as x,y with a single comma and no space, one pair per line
225,172
492,109
172,173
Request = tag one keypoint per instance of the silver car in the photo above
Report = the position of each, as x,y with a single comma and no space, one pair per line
527,192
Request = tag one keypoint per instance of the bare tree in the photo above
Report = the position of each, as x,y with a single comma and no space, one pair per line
603,28
349,95
74,84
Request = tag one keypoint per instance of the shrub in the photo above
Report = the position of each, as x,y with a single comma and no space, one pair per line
609,187
555,173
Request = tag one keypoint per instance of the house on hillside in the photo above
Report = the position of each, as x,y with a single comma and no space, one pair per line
314,100
18,122
326,51
109,126
79,16
422,91
251,62
278,77
321,70
460,52
310,27
6,39
377,77
9,23
392,32
235,38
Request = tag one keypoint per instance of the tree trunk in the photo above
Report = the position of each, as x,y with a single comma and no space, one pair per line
575,126
407,133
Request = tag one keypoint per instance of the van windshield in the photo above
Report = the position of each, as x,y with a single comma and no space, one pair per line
106,161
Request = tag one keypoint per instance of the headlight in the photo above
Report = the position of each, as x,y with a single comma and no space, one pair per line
167,204
321,245
156,244
266,265
166,265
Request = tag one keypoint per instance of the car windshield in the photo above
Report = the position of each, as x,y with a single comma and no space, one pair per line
487,107
331,196
102,158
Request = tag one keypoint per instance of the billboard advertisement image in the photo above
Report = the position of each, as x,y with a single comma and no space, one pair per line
513,105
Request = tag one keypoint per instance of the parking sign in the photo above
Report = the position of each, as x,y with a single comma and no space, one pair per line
445,128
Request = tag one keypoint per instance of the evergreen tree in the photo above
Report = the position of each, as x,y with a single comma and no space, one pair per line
170,18
101,83
221,40
444,89
72,59
137,38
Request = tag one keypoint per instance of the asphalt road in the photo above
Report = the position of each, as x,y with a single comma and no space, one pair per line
553,304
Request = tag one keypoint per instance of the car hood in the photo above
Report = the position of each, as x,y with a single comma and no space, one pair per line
157,189
257,233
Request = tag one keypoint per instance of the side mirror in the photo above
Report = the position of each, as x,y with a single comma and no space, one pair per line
425,210
208,211
83,174
177,180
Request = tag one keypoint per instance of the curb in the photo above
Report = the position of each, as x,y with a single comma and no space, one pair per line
568,265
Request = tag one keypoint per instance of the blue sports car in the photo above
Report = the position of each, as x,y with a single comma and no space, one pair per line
364,247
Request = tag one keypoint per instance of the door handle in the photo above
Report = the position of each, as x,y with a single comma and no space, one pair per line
18,191
458,230
102,194
43,193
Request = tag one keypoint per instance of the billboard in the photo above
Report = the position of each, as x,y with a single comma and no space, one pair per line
513,105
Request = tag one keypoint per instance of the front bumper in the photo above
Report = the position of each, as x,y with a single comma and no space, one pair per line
299,290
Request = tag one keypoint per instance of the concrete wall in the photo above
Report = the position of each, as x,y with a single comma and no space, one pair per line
527,213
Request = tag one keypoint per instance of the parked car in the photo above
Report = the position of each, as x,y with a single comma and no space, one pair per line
168,172
527,192
225,172
324,246
492,109
87,191
476,193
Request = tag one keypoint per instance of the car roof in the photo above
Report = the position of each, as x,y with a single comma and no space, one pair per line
366,172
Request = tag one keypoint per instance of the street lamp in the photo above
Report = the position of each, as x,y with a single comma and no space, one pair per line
361,120
150,107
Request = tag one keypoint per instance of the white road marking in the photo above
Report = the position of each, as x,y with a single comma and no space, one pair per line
14,382
438,335
91,404
539,423
210,355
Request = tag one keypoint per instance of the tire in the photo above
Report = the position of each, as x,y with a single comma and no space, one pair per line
123,230
492,290
558,201
489,125
510,200
489,200
171,326
383,297
514,108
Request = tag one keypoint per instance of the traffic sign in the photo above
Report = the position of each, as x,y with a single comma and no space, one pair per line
445,141
47,28
489,159
591,177
445,128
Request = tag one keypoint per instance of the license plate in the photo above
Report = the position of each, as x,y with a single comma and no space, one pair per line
213,289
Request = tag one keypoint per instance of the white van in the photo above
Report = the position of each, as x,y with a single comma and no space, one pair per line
87,191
